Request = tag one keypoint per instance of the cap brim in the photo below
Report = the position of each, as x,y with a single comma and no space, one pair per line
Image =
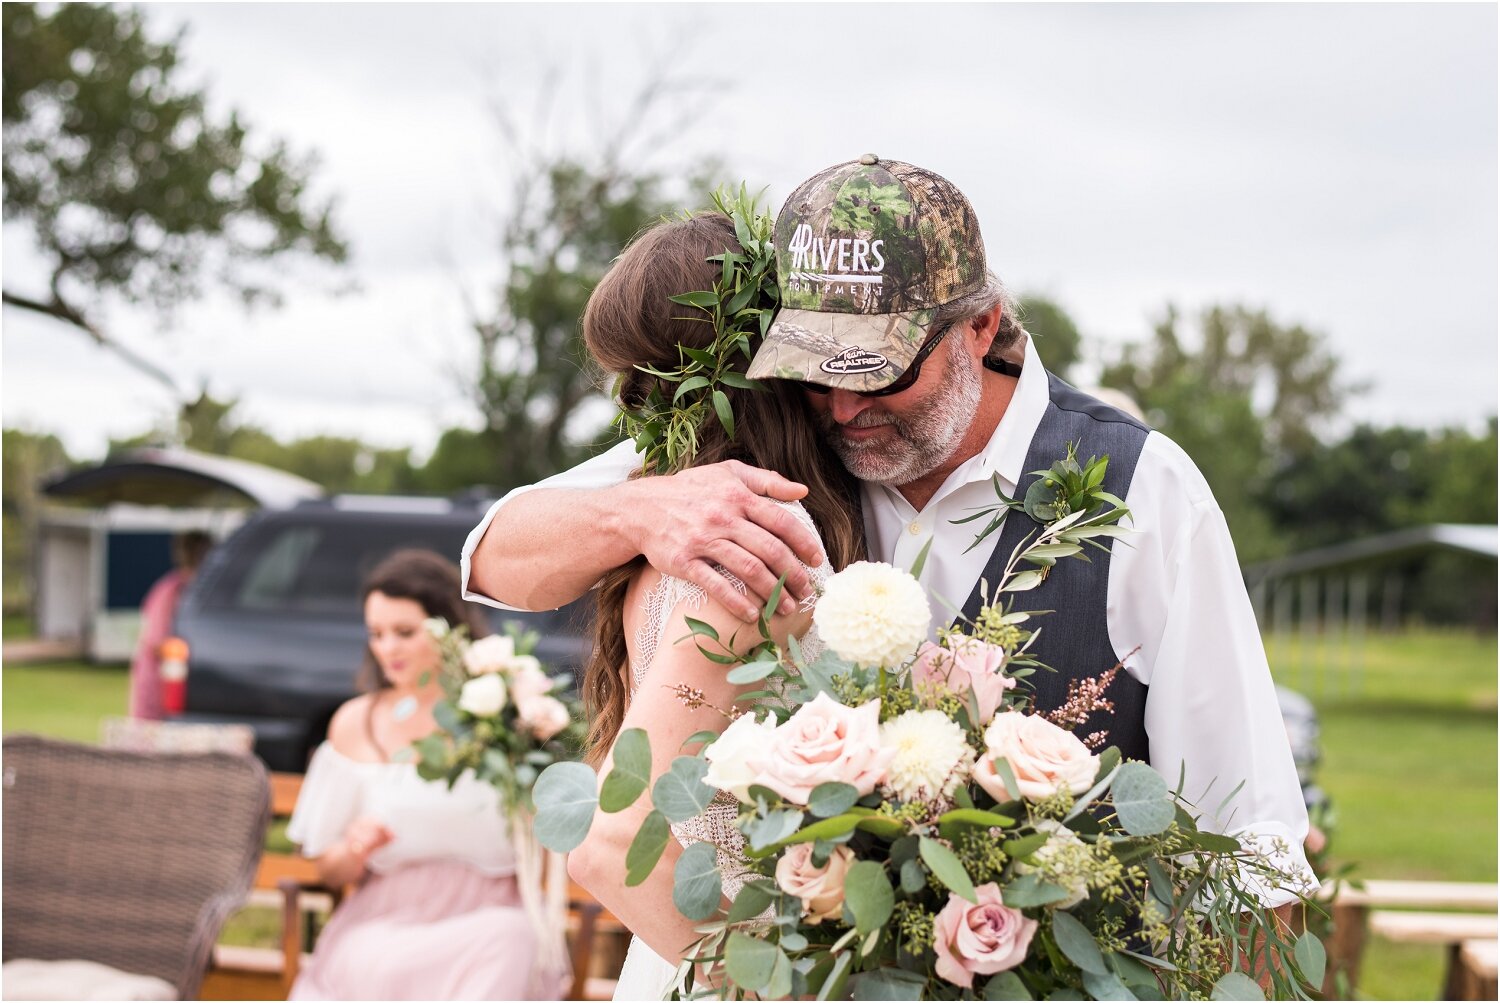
848,351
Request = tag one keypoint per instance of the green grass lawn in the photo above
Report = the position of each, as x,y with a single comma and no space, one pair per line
1409,747
1409,759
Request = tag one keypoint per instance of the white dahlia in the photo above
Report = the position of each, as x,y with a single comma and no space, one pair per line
873,614
931,757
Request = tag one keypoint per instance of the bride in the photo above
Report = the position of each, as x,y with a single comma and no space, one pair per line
639,659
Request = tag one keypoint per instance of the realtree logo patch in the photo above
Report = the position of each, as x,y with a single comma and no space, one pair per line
854,360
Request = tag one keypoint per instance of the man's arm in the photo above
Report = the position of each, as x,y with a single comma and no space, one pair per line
1211,708
542,547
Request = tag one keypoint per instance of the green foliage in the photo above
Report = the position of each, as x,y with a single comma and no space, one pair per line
568,219
28,457
1250,393
1057,339
127,182
739,308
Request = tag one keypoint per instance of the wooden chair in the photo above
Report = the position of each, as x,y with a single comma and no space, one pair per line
130,859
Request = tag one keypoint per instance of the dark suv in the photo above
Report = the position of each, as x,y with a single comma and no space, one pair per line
273,621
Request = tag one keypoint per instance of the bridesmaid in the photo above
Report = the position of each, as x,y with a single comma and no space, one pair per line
435,913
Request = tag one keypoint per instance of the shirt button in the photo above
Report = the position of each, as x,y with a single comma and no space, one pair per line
915,528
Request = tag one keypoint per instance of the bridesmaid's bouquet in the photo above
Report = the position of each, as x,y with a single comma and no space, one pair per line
912,827
501,716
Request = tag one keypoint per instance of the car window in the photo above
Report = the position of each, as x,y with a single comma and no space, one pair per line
318,567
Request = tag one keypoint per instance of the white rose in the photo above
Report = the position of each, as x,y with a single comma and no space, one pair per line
872,614
1059,860
437,627
483,696
733,758
489,654
527,680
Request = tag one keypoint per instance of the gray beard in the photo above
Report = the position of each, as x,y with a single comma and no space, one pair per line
925,440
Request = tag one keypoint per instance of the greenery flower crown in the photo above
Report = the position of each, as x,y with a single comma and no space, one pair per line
741,305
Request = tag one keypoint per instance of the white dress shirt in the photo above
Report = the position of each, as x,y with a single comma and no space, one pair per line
1175,591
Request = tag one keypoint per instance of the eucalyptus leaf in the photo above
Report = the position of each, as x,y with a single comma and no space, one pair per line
780,986
1023,581
630,774
1006,986
1030,890
948,869
833,985
868,896
913,877
646,848
680,793
1311,958
749,903
565,796
749,961
752,672
831,798
1237,986
1141,800
888,984
1075,941
772,828
1105,986
696,886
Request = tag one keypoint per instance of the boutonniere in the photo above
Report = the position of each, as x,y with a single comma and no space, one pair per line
1072,509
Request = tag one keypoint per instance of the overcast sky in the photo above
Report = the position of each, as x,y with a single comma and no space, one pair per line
1335,165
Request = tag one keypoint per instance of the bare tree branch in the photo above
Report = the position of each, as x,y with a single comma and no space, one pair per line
60,310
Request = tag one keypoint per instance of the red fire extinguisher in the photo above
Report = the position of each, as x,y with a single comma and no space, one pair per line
173,672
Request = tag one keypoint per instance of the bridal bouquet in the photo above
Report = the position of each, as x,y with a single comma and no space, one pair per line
500,716
911,827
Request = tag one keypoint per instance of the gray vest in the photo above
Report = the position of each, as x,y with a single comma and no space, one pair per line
1074,637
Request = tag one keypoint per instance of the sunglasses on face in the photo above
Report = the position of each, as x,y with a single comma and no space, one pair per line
902,382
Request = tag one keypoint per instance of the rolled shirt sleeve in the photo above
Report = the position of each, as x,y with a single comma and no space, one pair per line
1211,709
609,468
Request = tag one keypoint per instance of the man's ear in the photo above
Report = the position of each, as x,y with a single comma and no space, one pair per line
979,332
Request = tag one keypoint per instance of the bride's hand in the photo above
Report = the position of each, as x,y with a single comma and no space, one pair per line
723,514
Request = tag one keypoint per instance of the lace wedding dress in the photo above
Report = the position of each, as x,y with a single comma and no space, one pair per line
646,975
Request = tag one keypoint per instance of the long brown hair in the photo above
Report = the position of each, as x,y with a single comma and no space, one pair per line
631,321
431,581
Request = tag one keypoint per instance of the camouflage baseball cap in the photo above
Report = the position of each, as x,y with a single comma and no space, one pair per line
866,253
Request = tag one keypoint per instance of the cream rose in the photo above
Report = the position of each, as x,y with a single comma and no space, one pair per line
489,654
1044,758
821,889
482,696
825,741
734,757
979,939
970,664
543,716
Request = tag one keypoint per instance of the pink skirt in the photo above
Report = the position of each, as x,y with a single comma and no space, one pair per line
437,930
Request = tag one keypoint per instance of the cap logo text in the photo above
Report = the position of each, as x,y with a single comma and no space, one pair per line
846,259
854,360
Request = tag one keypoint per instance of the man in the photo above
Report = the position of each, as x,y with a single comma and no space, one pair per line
929,390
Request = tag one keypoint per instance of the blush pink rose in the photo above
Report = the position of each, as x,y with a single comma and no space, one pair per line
1044,758
821,889
543,716
979,939
970,664
527,679
825,741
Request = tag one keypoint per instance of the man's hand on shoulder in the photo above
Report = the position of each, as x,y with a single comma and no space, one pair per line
724,514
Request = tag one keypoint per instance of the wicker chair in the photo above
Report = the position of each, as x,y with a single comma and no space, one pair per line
130,859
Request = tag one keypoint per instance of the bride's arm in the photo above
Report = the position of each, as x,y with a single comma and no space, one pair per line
599,864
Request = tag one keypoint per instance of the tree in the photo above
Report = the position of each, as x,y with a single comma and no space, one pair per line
1249,397
128,184
569,216
1058,342
28,457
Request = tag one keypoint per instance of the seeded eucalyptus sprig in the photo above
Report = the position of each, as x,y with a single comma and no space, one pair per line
740,306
